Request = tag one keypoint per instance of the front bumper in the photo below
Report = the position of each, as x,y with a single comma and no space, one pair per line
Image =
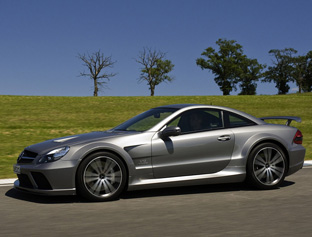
52,192
56,178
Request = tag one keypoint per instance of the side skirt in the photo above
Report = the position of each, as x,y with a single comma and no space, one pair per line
228,175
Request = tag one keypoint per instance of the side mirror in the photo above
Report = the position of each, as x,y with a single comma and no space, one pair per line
171,131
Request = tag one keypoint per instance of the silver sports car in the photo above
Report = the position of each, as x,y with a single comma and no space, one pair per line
173,145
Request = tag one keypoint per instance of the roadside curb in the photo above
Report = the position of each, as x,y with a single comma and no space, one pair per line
9,182
307,163
6,182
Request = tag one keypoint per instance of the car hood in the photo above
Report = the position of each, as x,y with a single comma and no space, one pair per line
49,145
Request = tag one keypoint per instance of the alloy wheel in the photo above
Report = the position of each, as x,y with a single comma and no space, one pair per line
269,166
102,176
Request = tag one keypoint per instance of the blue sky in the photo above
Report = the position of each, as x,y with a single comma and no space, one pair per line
40,40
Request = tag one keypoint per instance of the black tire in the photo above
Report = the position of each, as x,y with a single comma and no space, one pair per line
102,176
267,166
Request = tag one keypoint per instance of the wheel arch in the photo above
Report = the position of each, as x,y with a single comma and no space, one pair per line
108,151
279,144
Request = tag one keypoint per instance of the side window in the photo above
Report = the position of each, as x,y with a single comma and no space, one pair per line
149,121
235,120
198,120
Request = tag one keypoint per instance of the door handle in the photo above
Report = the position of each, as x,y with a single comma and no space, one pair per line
224,138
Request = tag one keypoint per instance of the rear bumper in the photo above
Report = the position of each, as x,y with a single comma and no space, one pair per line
296,159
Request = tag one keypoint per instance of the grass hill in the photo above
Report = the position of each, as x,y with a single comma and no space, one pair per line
25,120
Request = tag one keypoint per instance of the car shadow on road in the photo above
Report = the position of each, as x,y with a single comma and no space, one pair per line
189,190
28,197
212,188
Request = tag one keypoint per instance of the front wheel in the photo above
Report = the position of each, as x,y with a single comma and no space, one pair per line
101,177
267,166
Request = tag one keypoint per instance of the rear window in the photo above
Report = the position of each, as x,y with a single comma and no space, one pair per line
235,120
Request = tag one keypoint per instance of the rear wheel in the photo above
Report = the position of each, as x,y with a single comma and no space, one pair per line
101,177
267,166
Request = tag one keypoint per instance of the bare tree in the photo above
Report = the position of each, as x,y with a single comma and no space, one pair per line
95,63
155,69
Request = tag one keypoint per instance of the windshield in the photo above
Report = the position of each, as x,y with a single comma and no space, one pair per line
146,120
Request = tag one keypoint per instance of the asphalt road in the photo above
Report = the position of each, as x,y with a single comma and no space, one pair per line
212,210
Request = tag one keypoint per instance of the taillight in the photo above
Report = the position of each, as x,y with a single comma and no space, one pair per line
298,137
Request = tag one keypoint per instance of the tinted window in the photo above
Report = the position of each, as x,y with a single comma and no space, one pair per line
198,120
235,120
146,120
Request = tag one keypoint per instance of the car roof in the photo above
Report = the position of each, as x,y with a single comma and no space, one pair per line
195,106
179,106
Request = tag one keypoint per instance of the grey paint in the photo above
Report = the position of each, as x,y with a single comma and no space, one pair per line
215,156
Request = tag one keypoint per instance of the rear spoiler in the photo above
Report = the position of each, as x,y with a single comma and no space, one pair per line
288,118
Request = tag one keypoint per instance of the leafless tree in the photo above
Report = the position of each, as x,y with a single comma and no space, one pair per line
155,68
95,63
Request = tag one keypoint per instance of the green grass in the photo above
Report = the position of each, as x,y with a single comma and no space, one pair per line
25,120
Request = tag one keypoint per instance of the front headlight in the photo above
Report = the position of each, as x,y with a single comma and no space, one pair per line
54,155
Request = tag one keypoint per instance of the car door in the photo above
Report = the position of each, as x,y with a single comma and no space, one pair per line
196,151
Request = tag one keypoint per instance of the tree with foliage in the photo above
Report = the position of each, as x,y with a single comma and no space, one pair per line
307,83
251,71
95,63
224,64
155,68
302,72
299,71
281,73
